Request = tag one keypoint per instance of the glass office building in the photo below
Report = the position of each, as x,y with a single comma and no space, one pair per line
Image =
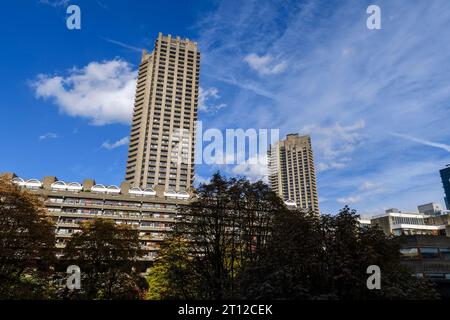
445,176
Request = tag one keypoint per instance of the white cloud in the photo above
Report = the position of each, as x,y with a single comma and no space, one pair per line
323,199
114,145
333,144
102,92
204,96
254,168
200,180
49,135
348,200
393,80
331,165
264,64
406,187
365,191
367,185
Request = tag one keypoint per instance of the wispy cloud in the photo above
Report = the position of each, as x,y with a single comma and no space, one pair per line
102,92
122,142
122,44
334,144
205,97
348,200
200,179
254,168
250,86
322,166
55,3
48,135
344,84
442,146
264,65
369,185
102,5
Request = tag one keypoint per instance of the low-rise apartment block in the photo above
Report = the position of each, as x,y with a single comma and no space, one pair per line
424,239
397,223
151,211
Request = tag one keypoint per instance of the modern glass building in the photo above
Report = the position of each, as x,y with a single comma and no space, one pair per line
445,176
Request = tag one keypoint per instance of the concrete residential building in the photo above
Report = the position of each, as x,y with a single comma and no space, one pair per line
291,172
428,257
445,176
162,139
430,208
424,241
151,211
397,223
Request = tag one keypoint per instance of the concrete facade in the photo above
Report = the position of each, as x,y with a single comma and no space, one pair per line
394,222
291,172
151,211
162,139
428,257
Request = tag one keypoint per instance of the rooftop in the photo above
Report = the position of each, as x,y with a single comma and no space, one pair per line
52,183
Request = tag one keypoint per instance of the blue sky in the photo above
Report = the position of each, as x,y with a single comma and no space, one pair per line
376,102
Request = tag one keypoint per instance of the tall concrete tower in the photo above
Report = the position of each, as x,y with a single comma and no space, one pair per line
162,139
291,171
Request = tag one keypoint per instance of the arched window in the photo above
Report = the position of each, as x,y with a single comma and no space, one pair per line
149,192
74,186
18,181
290,203
170,193
183,195
99,188
113,189
33,184
58,185
135,190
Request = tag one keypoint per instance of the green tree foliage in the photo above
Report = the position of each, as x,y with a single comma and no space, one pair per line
310,257
107,255
238,240
213,239
26,245
171,277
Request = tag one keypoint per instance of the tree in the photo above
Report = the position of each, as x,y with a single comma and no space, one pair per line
27,243
291,263
311,257
107,255
171,277
213,239
238,240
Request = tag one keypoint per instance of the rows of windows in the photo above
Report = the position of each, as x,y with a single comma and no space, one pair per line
408,220
144,244
416,231
156,225
115,203
425,253
434,276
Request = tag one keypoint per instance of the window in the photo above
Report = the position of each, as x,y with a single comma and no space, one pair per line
409,253
429,253
445,253
56,200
